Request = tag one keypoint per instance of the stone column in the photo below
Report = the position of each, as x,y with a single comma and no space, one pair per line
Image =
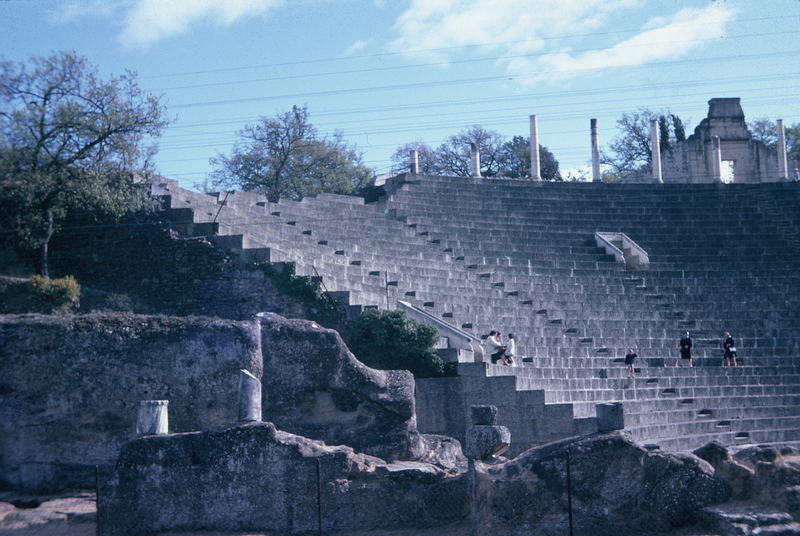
152,418
655,152
716,159
414,162
536,173
783,165
596,177
475,158
249,397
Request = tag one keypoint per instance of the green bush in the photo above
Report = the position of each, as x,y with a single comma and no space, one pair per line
389,340
55,291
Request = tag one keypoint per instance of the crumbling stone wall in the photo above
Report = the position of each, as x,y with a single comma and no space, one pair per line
70,386
691,160
257,478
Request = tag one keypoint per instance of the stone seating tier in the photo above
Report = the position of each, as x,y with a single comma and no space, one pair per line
542,277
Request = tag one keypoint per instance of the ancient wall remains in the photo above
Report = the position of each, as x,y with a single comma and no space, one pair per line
692,161
71,386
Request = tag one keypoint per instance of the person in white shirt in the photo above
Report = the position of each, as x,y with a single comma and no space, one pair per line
511,351
496,348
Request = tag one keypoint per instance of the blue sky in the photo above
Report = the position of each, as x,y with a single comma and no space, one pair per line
390,72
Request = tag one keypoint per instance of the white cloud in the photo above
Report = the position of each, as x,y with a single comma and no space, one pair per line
511,26
66,12
532,36
687,29
148,21
358,46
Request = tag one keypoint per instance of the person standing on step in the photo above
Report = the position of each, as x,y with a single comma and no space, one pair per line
630,360
686,349
729,345
496,349
511,351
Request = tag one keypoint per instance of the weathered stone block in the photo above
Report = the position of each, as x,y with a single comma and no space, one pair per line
71,386
483,442
256,478
486,415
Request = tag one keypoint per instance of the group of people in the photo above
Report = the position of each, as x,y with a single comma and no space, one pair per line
500,351
728,346
685,345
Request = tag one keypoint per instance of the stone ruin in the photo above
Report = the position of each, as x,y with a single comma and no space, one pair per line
346,448
723,131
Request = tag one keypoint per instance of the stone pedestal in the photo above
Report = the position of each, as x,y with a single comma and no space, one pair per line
485,438
152,418
249,397
610,417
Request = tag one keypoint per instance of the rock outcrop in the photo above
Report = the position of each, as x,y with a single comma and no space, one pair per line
313,386
614,487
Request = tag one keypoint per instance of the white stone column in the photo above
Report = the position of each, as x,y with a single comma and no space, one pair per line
152,418
596,177
655,152
536,173
783,165
475,158
249,397
716,159
414,162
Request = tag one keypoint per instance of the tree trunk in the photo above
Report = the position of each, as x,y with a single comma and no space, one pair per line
43,260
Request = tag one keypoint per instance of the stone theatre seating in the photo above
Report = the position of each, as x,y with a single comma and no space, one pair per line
521,257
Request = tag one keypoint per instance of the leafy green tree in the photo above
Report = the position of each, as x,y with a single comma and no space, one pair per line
678,128
284,156
515,160
663,134
390,340
71,143
630,151
766,131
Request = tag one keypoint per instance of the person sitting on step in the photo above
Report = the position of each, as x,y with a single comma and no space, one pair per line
730,350
496,349
686,349
630,359
511,351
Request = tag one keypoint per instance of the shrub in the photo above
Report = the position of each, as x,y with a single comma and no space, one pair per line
55,291
390,340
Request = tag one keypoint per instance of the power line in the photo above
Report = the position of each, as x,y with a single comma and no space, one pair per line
412,51
440,63
442,83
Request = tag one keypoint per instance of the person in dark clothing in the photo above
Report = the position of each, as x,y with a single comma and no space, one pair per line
686,349
630,360
496,348
729,345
